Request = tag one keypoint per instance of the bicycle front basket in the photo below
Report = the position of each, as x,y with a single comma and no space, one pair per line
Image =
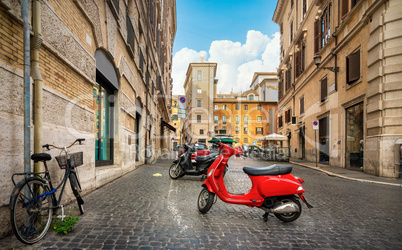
76,159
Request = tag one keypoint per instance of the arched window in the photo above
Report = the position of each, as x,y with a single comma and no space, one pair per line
251,97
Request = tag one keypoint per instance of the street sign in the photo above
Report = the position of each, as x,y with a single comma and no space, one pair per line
253,142
182,106
315,125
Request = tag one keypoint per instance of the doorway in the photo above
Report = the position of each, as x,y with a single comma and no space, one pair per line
302,139
324,139
354,136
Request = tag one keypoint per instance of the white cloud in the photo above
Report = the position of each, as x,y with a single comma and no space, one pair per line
236,62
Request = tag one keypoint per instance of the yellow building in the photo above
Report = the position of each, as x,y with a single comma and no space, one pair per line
339,66
176,123
244,116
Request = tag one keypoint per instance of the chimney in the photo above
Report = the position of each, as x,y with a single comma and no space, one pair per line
202,59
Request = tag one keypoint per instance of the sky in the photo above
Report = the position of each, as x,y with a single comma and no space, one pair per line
239,36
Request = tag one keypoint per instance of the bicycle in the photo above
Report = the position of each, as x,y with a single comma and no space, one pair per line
33,200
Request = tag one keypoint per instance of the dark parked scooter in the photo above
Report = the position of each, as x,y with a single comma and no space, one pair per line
183,165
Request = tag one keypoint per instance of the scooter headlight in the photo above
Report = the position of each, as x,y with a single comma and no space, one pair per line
300,188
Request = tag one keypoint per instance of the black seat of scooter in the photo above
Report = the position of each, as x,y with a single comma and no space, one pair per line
41,157
277,169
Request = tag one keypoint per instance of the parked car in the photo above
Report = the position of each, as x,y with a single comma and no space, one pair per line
201,149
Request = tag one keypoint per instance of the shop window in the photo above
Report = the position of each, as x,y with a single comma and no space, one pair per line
353,67
105,119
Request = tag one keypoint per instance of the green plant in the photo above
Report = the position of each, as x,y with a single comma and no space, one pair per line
64,225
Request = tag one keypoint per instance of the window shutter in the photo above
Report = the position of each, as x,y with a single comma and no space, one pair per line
324,89
316,36
353,66
345,7
297,63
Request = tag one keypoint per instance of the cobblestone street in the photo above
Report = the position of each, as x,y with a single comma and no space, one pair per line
140,210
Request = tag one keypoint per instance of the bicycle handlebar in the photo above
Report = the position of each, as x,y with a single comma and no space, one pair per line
80,140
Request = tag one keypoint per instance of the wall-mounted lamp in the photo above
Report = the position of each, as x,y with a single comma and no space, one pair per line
317,61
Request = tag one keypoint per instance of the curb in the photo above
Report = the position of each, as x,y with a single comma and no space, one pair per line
345,177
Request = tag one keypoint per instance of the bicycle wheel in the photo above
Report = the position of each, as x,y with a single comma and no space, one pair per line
31,211
76,187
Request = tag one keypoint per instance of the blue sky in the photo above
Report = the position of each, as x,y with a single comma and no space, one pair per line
239,35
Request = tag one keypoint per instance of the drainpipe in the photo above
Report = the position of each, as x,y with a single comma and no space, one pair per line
38,111
27,89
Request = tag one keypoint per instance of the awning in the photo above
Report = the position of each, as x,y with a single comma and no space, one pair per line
273,137
167,125
223,140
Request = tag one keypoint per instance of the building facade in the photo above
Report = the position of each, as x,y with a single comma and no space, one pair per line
339,66
244,116
105,67
176,123
199,88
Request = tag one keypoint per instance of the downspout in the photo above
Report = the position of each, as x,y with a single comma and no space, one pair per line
27,89
38,92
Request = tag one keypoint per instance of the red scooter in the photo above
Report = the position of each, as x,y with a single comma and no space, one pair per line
274,189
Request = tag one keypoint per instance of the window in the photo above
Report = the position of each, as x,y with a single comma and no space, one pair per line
259,105
353,67
130,33
289,77
245,140
237,119
291,4
324,89
345,8
216,107
288,115
302,105
175,117
216,129
281,28
224,106
237,106
291,32
216,119
259,118
104,122
322,29
280,122
199,75
258,131
223,130
175,104
201,131
199,103
280,87
198,118
304,7
199,91
237,130
245,107
224,119
251,97
245,130
245,119
300,58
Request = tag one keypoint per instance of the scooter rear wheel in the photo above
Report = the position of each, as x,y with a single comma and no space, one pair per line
205,201
175,171
288,217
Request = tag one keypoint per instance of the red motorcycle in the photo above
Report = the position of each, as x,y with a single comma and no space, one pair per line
274,190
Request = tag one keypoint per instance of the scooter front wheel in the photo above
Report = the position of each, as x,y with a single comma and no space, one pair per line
205,200
175,171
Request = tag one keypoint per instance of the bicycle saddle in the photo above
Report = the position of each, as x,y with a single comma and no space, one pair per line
41,157
277,169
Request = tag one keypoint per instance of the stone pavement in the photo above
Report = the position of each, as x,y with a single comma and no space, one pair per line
347,173
142,211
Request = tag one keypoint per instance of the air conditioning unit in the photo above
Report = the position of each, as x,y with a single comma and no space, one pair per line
293,120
